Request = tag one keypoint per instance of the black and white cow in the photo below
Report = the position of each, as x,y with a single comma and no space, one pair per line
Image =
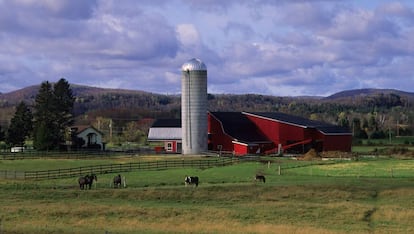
191,180
260,178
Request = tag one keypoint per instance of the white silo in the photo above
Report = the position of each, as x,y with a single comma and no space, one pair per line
194,107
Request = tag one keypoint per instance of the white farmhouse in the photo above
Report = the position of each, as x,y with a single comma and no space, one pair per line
87,137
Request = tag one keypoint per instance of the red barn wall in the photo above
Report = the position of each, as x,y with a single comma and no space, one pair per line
217,136
240,149
174,148
280,133
291,133
283,133
336,142
267,127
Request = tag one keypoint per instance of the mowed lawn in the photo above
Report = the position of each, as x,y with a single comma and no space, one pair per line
346,197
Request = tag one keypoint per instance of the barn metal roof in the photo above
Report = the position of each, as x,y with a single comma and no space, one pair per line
238,126
165,129
325,128
159,134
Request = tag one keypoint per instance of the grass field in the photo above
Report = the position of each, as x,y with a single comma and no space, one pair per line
346,197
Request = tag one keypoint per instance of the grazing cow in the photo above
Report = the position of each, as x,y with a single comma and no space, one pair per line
86,181
260,178
117,181
191,180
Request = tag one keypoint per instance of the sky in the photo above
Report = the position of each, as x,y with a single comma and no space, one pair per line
279,47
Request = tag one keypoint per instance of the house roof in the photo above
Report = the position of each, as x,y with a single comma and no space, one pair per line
328,129
239,127
80,128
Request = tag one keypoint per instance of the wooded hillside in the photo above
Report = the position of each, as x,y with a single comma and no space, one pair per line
369,113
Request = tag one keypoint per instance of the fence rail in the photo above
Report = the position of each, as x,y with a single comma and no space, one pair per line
68,155
116,168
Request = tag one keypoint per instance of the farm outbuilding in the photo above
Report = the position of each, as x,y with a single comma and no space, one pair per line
87,137
167,132
242,133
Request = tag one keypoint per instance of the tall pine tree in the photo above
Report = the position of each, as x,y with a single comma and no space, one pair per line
2,135
20,126
63,102
45,136
53,114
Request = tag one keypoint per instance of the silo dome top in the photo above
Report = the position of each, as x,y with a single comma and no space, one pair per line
194,65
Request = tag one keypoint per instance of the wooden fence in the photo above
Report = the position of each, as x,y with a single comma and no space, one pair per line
66,155
117,168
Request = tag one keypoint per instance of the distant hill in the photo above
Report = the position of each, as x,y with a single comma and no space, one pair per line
128,105
112,103
29,93
367,92
89,94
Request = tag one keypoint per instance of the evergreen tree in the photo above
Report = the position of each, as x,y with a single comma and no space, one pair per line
53,114
20,126
45,130
63,102
2,135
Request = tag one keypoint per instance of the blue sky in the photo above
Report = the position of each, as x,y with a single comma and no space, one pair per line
280,47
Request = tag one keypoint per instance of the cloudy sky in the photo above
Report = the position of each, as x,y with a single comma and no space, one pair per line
279,47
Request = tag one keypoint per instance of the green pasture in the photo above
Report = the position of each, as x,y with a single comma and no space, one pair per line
300,197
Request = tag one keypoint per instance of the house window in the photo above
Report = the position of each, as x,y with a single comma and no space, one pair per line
169,147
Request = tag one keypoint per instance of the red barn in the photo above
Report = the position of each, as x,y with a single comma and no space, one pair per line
243,133
234,132
270,132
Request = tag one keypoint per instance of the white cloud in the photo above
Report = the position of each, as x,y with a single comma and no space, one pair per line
188,35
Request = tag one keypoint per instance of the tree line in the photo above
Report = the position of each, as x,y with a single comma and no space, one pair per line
47,124
121,115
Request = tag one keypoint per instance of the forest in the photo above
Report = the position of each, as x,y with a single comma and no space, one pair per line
126,115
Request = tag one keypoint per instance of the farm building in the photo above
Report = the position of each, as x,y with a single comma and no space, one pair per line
87,137
167,132
282,132
234,132
263,133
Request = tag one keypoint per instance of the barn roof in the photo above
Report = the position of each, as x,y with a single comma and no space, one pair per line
167,123
323,127
238,126
165,129
160,134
